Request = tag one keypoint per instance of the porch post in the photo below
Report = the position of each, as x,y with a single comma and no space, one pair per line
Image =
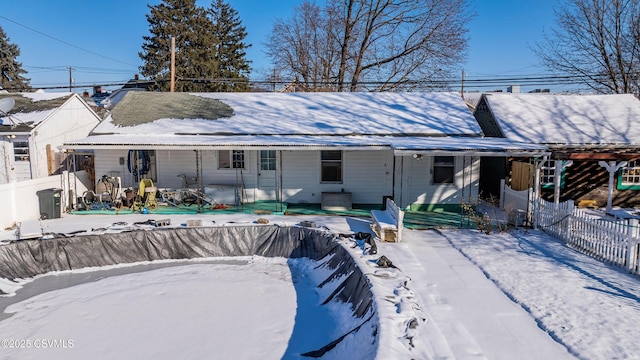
199,180
279,189
611,167
536,190
557,179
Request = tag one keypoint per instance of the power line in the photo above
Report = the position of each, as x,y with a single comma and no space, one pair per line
470,82
66,43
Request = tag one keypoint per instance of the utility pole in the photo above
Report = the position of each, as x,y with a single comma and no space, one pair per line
173,64
70,79
462,88
274,79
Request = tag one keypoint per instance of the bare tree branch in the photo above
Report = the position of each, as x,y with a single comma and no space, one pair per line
351,44
598,41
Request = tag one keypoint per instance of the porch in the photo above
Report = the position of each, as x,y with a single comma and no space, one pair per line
413,219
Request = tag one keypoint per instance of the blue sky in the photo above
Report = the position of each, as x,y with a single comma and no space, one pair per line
101,40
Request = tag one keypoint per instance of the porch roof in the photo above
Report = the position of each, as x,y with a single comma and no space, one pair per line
402,145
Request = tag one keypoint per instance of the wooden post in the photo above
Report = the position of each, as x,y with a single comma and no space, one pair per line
70,79
51,160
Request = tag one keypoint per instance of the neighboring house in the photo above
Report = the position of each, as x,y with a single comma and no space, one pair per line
34,129
588,135
422,149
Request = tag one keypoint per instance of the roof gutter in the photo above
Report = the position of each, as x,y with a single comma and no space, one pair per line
471,152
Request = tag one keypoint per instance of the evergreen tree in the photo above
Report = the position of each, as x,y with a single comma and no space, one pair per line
10,69
194,38
229,50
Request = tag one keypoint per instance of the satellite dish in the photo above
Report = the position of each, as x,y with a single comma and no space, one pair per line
6,105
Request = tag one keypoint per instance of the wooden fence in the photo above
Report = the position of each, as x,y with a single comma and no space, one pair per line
613,241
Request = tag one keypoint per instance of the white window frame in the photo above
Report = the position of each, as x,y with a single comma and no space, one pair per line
234,159
548,173
332,163
631,174
20,154
437,166
268,160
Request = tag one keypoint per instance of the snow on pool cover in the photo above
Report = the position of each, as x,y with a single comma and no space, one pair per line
247,292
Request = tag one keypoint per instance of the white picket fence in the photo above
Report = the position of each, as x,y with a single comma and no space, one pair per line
613,241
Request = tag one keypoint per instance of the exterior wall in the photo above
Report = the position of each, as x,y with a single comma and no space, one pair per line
107,162
15,170
73,120
6,154
414,184
367,175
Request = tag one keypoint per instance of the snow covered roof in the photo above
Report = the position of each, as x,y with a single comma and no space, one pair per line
405,122
30,109
567,119
420,114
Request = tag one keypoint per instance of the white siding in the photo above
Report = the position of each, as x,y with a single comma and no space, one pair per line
417,186
301,176
107,162
171,163
71,121
366,174
6,154
22,170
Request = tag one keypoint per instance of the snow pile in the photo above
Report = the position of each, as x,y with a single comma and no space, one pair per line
587,306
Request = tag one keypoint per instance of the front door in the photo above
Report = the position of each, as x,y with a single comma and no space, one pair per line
267,179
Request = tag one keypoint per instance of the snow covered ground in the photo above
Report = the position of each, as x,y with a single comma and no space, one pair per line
520,294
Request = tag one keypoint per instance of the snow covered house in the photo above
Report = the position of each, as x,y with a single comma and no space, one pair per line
422,149
33,129
593,139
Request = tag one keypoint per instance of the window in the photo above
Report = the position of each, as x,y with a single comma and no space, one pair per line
231,159
548,173
443,167
331,166
629,178
267,159
21,150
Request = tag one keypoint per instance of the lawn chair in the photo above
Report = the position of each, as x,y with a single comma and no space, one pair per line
146,197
